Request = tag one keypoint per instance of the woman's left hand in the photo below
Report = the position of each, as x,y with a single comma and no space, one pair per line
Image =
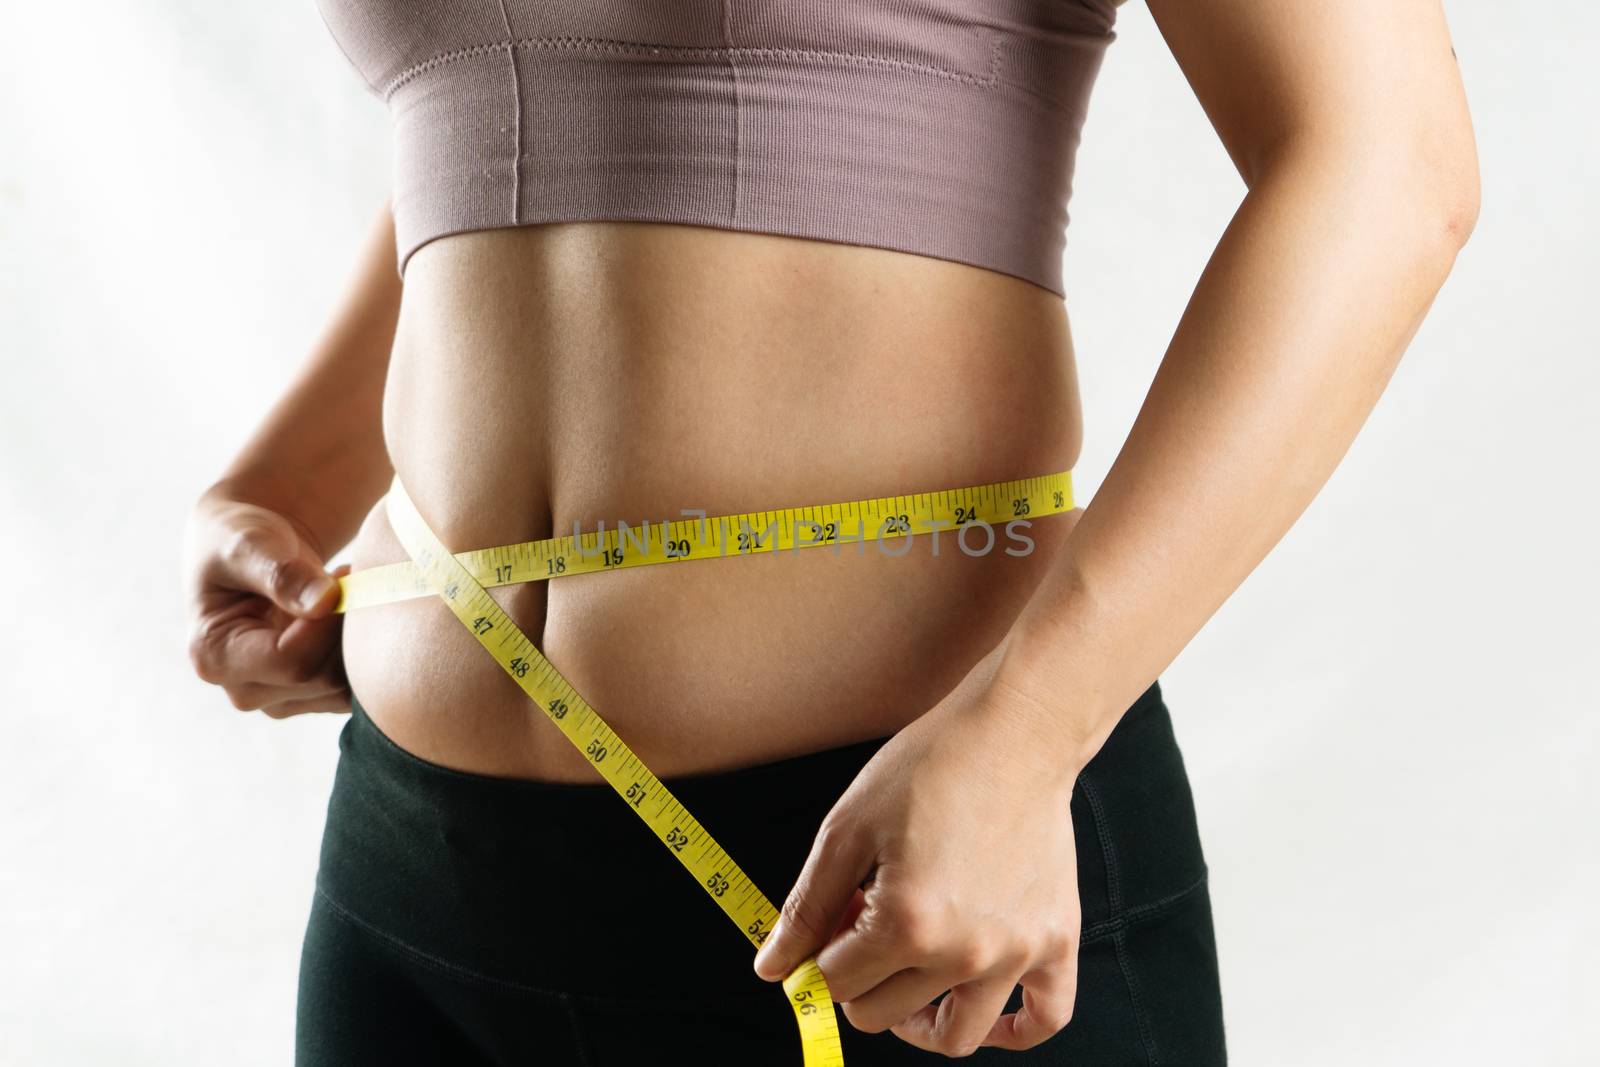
949,864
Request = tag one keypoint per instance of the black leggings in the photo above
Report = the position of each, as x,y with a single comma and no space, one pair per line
466,920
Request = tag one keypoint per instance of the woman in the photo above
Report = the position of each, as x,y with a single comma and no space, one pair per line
734,257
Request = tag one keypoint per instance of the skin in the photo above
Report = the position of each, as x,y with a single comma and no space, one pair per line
935,871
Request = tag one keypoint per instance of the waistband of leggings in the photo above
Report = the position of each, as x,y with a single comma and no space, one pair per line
782,784
485,810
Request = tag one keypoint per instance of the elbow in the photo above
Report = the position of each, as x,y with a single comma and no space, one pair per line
1451,196
1434,166
1428,219
1428,201
1423,223
1461,217
1416,190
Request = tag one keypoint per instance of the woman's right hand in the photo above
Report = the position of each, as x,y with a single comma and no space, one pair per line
261,608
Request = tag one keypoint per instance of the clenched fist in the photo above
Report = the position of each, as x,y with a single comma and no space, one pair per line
261,611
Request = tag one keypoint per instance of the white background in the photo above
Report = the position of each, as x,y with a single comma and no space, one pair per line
1389,732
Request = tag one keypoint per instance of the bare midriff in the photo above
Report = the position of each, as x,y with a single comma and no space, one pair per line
565,375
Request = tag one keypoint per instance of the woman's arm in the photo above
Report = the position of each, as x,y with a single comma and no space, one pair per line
319,456
1349,125
259,538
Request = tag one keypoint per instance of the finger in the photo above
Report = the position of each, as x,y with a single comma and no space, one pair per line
896,998
244,650
837,865
336,701
265,555
863,954
248,696
1047,1000
957,1025
313,640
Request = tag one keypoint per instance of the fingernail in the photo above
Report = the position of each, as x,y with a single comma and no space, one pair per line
314,592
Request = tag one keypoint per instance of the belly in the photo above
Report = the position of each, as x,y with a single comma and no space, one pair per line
557,377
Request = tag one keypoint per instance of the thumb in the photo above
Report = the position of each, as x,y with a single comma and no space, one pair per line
839,862
264,555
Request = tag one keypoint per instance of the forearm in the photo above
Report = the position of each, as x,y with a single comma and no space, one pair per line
319,456
1295,327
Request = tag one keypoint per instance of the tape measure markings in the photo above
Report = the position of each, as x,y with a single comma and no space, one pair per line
710,537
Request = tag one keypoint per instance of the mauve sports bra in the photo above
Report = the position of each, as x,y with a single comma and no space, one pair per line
944,128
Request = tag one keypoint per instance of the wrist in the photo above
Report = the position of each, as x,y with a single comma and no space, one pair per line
1050,674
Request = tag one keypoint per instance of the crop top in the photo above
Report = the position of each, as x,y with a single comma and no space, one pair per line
944,128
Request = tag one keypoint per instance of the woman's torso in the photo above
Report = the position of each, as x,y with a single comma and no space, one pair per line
586,372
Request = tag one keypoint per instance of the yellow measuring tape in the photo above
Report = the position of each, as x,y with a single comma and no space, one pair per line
461,581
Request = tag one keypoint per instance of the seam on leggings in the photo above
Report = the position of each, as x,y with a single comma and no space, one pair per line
1102,831
1120,940
453,970
1114,900
1142,913
578,1040
466,974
